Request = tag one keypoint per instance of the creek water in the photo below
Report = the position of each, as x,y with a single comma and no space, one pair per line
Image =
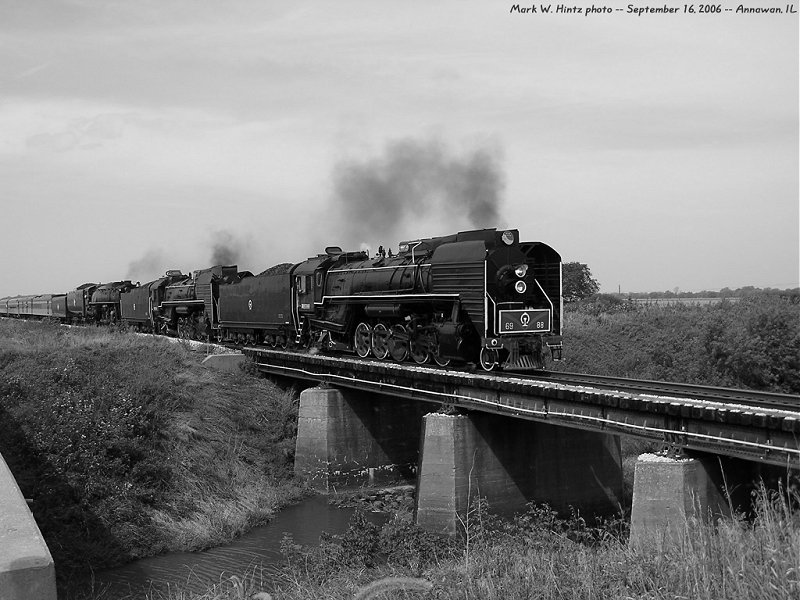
259,548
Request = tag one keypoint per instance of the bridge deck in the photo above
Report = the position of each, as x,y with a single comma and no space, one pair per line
763,435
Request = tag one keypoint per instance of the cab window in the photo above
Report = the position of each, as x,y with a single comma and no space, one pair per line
304,283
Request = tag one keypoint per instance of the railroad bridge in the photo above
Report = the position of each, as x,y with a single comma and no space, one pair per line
509,438
514,438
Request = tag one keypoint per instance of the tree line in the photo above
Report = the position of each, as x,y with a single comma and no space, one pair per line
578,284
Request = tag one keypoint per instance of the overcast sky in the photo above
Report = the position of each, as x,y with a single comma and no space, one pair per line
662,150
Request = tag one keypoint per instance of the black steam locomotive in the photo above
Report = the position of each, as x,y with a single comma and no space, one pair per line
178,304
479,296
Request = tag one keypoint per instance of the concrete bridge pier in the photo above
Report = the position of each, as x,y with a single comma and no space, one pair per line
26,566
347,438
669,492
511,462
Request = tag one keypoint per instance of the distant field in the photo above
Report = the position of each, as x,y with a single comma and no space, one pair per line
669,301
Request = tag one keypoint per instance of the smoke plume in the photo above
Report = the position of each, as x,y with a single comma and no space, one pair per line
412,182
227,248
148,267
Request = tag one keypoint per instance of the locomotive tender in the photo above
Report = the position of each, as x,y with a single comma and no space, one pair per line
479,296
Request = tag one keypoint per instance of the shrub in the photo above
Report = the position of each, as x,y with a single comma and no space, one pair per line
408,546
753,343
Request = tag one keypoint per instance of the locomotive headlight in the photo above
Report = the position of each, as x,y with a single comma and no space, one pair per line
520,287
521,270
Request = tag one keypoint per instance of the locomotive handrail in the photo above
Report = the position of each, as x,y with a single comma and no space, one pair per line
392,294
414,247
552,307
486,313
361,270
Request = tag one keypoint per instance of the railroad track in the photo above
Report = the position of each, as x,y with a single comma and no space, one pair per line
750,398
712,394
663,388
721,395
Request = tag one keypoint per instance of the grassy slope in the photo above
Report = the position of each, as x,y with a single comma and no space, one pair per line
128,447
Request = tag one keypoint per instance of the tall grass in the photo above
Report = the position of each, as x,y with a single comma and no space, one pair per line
538,555
731,559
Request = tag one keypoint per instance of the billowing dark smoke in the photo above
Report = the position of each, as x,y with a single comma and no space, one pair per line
412,181
226,249
148,267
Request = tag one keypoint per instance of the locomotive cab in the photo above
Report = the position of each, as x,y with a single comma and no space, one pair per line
78,302
316,280
309,280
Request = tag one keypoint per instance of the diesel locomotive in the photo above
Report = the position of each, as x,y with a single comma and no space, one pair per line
481,296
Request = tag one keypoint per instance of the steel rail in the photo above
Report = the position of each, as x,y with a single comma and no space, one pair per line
755,398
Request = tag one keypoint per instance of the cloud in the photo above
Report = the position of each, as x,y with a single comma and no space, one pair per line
93,132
